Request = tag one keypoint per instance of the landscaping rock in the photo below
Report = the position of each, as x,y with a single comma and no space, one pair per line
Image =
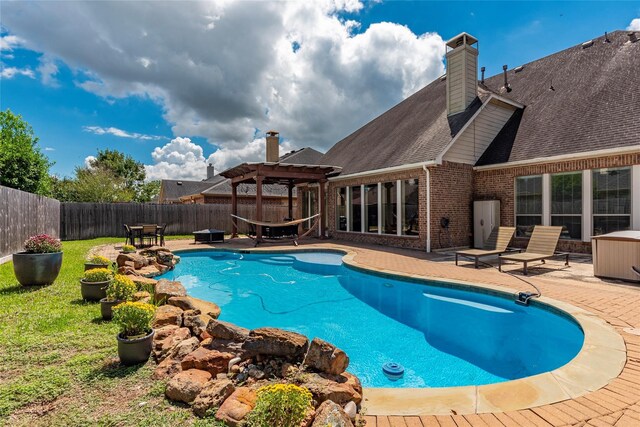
226,346
190,303
211,361
326,357
185,386
167,315
351,409
164,332
172,364
167,369
195,321
330,414
142,281
166,289
149,271
138,260
324,387
212,396
237,406
142,296
227,331
276,342
162,346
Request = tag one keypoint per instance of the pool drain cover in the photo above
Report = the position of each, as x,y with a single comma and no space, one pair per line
393,371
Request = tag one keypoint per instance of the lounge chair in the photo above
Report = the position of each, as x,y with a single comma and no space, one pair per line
496,244
636,270
542,245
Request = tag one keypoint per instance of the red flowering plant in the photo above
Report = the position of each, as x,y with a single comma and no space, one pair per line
42,244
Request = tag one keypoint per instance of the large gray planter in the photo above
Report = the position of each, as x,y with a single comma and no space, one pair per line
106,307
93,291
135,351
36,269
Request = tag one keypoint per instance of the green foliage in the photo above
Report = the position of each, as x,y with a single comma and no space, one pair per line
148,190
121,288
97,275
99,260
280,405
22,164
128,248
134,318
121,165
42,244
99,186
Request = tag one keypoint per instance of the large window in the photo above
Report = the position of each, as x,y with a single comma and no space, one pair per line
389,215
341,209
566,204
355,218
528,204
611,200
410,207
371,208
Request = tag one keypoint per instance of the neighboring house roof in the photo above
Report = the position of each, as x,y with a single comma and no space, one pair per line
171,190
590,107
268,190
303,156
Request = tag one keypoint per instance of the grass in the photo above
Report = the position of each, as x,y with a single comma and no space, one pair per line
58,359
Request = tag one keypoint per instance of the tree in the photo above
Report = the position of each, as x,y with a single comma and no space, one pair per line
129,170
98,185
148,191
22,164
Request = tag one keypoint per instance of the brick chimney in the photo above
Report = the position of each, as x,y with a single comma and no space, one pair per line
210,171
462,72
273,146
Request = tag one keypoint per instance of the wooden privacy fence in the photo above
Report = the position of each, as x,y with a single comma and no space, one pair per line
90,220
24,214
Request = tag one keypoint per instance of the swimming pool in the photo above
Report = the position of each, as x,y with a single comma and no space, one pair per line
442,334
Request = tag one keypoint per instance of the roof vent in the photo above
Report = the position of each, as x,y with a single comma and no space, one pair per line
518,68
179,182
606,38
482,72
507,86
632,37
587,44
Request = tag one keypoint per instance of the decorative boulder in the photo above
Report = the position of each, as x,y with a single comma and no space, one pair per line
326,357
134,260
167,341
186,385
190,303
324,387
166,289
227,331
331,414
237,406
212,396
211,361
276,342
142,296
167,315
195,321
172,365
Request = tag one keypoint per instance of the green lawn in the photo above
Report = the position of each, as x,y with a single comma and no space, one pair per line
58,359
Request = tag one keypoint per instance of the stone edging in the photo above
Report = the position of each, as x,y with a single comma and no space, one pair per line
600,360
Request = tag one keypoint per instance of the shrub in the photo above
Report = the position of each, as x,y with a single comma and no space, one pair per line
99,260
42,244
98,275
134,318
121,288
128,248
280,405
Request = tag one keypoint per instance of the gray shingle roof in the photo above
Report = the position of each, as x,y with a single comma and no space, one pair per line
303,156
171,190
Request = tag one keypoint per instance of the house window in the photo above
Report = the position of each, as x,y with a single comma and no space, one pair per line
410,207
355,218
566,204
611,200
388,208
341,209
528,204
371,208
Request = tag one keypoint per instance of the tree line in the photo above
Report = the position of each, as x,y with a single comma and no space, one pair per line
112,176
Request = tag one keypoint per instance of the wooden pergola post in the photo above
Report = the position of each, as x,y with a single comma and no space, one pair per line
290,194
323,207
234,208
259,180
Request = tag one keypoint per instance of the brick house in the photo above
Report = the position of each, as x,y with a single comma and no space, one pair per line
556,141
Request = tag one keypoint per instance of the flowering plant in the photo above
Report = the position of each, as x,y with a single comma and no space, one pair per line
42,244
97,275
121,288
134,318
99,260
128,248
280,405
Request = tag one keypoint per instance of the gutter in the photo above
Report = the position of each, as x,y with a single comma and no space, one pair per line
427,174
391,169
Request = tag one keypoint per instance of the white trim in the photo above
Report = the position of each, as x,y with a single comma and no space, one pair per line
379,208
399,204
348,210
587,205
552,159
362,209
635,197
428,203
546,199
400,168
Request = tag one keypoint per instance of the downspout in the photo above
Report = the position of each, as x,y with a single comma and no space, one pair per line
427,175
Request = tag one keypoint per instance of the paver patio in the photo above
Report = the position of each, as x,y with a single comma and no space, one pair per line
617,404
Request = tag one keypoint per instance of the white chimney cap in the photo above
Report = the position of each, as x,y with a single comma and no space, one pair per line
461,38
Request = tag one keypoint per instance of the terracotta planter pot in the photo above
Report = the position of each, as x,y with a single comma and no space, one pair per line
93,291
135,351
106,308
89,266
36,269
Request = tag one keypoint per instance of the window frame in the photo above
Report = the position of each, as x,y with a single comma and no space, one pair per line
593,201
580,215
515,201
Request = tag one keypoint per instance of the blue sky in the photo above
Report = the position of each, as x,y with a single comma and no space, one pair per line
136,84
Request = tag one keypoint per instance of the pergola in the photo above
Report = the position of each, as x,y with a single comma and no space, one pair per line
289,175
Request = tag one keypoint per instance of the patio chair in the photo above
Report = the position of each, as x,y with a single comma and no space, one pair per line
149,233
496,244
542,246
128,235
160,234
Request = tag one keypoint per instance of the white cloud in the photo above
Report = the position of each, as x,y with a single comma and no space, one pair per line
98,130
48,69
88,161
9,41
11,72
230,70
49,149
178,159
634,25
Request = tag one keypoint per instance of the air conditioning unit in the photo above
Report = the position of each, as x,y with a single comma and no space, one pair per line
486,216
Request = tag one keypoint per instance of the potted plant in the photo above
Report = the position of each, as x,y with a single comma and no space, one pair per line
39,264
93,284
119,290
136,335
128,249
96,261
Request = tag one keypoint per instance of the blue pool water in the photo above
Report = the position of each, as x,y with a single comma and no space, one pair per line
443,336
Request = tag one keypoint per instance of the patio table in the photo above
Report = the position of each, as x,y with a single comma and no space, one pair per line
136,231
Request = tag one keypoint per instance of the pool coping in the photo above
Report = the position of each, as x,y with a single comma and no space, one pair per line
600,360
